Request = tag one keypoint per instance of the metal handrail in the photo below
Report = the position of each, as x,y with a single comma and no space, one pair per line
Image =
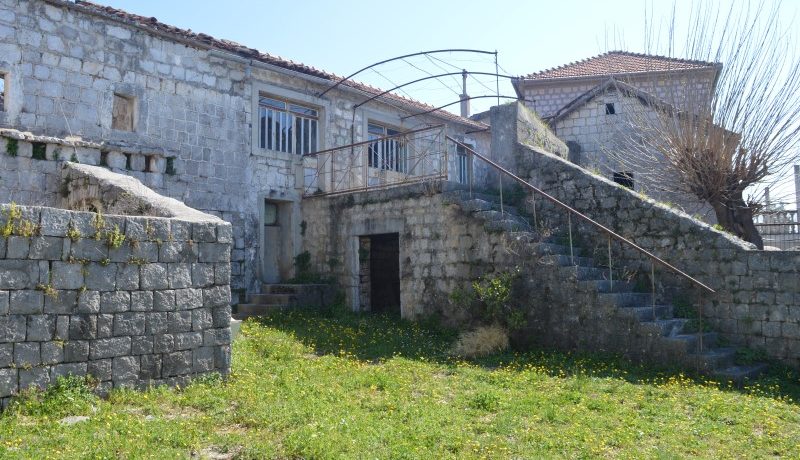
583,217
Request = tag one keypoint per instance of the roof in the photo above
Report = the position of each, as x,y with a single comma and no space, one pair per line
618,63
154,25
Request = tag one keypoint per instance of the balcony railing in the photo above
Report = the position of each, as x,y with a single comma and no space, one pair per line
412,156
779,229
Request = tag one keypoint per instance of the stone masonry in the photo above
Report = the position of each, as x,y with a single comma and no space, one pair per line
129,300
195,114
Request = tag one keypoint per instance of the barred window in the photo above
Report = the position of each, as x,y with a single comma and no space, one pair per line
389,154
286,126
462,164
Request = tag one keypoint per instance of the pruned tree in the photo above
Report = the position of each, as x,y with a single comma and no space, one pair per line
721,139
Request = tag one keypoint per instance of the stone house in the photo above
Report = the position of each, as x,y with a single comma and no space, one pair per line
597,107
219,126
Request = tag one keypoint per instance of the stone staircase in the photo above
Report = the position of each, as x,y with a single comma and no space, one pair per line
674,338
281,297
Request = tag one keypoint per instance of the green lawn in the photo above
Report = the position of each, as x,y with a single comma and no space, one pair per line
312,386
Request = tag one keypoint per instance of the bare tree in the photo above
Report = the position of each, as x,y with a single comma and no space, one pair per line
718,139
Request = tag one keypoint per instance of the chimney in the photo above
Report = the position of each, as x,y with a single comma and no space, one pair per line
797,187
766,199
465,96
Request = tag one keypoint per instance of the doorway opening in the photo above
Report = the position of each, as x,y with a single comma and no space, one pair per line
276,256
379,257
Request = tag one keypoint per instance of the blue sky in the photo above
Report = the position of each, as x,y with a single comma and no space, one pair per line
344,35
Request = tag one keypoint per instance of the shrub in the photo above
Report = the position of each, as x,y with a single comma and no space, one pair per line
480,342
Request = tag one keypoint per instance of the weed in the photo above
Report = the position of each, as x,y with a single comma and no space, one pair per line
114,238
48,290
74,158
748,356
12,147
105,262
39,151
137,261
99,224
73,233
481,342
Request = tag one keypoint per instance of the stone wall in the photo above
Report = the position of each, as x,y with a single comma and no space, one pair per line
442,247
194,104
130,300
757,300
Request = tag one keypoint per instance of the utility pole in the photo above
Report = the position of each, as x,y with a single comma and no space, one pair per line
797,187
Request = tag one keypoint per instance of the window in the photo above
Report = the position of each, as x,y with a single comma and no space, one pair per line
610,109
462,164
122,115
287,127
2,92
390,154
624,179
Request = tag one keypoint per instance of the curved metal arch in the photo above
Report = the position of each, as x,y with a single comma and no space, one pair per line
430,77
454,50
458,101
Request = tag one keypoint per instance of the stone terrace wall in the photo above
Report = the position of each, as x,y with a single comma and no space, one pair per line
757,300
442,248
76,298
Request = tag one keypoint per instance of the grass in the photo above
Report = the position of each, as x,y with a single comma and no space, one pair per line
310,385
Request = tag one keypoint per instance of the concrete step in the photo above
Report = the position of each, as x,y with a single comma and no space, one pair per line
564,260
479,205
740,374
271,299
691,342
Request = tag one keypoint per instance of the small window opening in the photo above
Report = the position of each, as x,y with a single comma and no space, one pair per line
170,167
122,115
39,151
2,92
128,161
610,109
104,158
150,163
624,179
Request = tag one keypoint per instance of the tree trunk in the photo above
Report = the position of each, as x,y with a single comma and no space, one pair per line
736,217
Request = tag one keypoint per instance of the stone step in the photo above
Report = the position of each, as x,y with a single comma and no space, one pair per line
493,215
625,299
506,225
608,285
713,359
667,327
739,374
461,196
271,299
479,205
252,309
691,342
564,260
646,314
553,248
585,273
280,288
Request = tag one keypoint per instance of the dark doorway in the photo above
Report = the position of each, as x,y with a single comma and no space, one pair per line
384,273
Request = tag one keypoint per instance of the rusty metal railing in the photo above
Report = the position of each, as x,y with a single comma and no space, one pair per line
413,156
573,212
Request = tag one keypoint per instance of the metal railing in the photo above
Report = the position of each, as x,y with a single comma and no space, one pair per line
409,157
571,212
779,229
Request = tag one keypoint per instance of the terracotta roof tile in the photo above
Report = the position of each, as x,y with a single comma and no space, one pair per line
618,62
155,25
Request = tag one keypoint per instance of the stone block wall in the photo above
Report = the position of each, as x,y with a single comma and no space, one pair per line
442,248
757,299
129,300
